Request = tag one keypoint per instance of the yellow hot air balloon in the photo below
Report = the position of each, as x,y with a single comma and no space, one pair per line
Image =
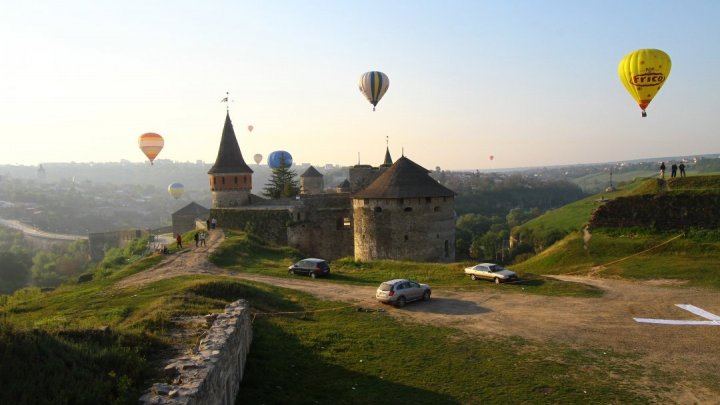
374,85
151,144
176,190
643,73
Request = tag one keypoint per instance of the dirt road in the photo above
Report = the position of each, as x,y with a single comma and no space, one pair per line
603,323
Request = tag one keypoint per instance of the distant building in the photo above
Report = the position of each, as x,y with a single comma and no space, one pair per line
183,220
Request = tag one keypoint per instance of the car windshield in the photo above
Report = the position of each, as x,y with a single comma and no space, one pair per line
385,287
495,268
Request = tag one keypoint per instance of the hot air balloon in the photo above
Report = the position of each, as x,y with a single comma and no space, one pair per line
492,157
151,144
258,158
374,85
279,158
176,190
250,128
643,73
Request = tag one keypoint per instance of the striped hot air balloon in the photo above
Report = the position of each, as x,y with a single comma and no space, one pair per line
151,144
374,85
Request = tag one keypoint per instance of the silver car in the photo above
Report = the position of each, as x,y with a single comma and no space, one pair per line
401,291
491,271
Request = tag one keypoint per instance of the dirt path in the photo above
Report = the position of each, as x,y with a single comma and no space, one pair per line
606,322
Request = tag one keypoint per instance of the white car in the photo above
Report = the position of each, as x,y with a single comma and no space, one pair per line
491,271
400,291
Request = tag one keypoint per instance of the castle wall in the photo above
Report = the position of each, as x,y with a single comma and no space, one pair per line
270,222
322,226
662,212
418,229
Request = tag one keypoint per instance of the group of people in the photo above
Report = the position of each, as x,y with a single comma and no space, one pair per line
673,169
200,236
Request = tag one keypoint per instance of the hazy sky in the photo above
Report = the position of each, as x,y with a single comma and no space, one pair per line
533,83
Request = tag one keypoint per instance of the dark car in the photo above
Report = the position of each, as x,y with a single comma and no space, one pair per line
311,266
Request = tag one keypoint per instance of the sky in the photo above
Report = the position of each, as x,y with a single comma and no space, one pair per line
532,83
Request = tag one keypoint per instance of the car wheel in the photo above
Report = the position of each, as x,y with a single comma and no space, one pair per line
312,274
473,277
497,280
291,272
400,302
426,296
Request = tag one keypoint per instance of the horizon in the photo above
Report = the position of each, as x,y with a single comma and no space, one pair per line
533,85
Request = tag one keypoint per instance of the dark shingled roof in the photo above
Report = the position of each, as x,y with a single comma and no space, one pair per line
311,172
405,179
192,208
388,159
229,158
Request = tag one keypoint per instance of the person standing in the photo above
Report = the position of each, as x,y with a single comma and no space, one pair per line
662,170
673,170
197,238
213,223
682,169
178,239
202,238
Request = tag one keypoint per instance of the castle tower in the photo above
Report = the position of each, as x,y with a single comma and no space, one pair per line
404,214
230,176
311,181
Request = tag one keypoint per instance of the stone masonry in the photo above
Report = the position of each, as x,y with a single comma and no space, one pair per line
212,373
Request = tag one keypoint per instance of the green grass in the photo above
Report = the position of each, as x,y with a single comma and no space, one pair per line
245,253
350,356
693,258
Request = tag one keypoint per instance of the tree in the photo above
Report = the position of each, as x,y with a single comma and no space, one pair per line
282,183
14,272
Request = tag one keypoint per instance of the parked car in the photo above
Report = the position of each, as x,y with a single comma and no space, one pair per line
491,271
401,291
311,266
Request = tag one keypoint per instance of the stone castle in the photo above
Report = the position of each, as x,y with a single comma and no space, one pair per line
394,211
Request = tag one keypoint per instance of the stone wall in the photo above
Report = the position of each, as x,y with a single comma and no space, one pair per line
322,226
661,211
270,223
212,373
418,229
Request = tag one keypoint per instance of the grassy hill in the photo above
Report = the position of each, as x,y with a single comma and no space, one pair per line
689,256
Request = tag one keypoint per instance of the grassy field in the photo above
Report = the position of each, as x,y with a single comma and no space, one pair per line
350,356
245,253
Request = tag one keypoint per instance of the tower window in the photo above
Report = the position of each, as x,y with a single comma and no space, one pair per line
407,209
428,200
378,209
436,209
222,179
406,238
235,179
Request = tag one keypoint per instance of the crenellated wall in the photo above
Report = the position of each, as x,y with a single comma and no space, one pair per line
212,374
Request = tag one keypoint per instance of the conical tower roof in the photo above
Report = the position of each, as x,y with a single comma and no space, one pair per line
388,160
404,179
229,158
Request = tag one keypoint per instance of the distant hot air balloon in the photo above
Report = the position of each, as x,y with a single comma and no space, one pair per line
374,85
151,144
643,73
279,158
258,158
492,157
250,128
176,190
